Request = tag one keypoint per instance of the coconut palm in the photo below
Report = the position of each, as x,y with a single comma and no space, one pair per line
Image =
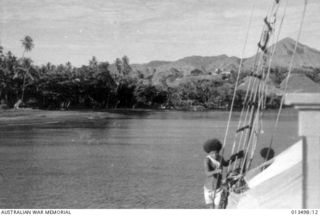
1,50
27,43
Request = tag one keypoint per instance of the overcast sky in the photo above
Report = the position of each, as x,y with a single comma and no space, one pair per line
144,30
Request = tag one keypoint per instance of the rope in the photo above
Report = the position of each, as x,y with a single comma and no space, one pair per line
257,120
276,41
234,92
257,56
267,31
240,140
250,80
249,133
264,86
255,114
288,76
237,80
244,103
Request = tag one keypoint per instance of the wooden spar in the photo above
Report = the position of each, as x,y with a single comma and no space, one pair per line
308,106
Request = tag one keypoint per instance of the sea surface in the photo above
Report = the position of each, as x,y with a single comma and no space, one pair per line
116,159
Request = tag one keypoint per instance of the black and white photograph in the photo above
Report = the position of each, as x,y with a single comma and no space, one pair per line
159,105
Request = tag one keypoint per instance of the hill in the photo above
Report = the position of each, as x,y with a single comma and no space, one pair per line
188,66
306,58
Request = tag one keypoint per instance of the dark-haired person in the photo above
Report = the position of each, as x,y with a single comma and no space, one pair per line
267,154
213,163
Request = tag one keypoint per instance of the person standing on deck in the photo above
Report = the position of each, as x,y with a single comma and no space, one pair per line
213,163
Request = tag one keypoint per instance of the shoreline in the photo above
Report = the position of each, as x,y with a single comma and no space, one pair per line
28,114
21,110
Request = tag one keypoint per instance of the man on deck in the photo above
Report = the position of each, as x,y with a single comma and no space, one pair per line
213,164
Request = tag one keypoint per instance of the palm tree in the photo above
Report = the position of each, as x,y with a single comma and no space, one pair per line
27,43
93,63
1,50
126,65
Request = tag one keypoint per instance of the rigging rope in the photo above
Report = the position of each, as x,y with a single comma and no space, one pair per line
276,41
264,88
235,90
259,86
263,43
262,56
237,80
250,80
249,132
288,76
244,107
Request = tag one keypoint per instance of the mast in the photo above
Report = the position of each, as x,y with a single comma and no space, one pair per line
259,74
309,111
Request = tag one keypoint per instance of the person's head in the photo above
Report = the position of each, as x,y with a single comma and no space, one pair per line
267,153
212,145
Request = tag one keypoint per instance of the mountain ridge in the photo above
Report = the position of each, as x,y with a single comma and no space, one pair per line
306,57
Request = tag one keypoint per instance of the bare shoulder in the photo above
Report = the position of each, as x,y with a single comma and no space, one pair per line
206,159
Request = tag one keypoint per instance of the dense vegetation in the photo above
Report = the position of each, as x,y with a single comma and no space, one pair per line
95,86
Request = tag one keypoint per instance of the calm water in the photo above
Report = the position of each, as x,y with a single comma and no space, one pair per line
114,160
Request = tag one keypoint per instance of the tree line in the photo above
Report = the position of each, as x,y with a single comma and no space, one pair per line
95,86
